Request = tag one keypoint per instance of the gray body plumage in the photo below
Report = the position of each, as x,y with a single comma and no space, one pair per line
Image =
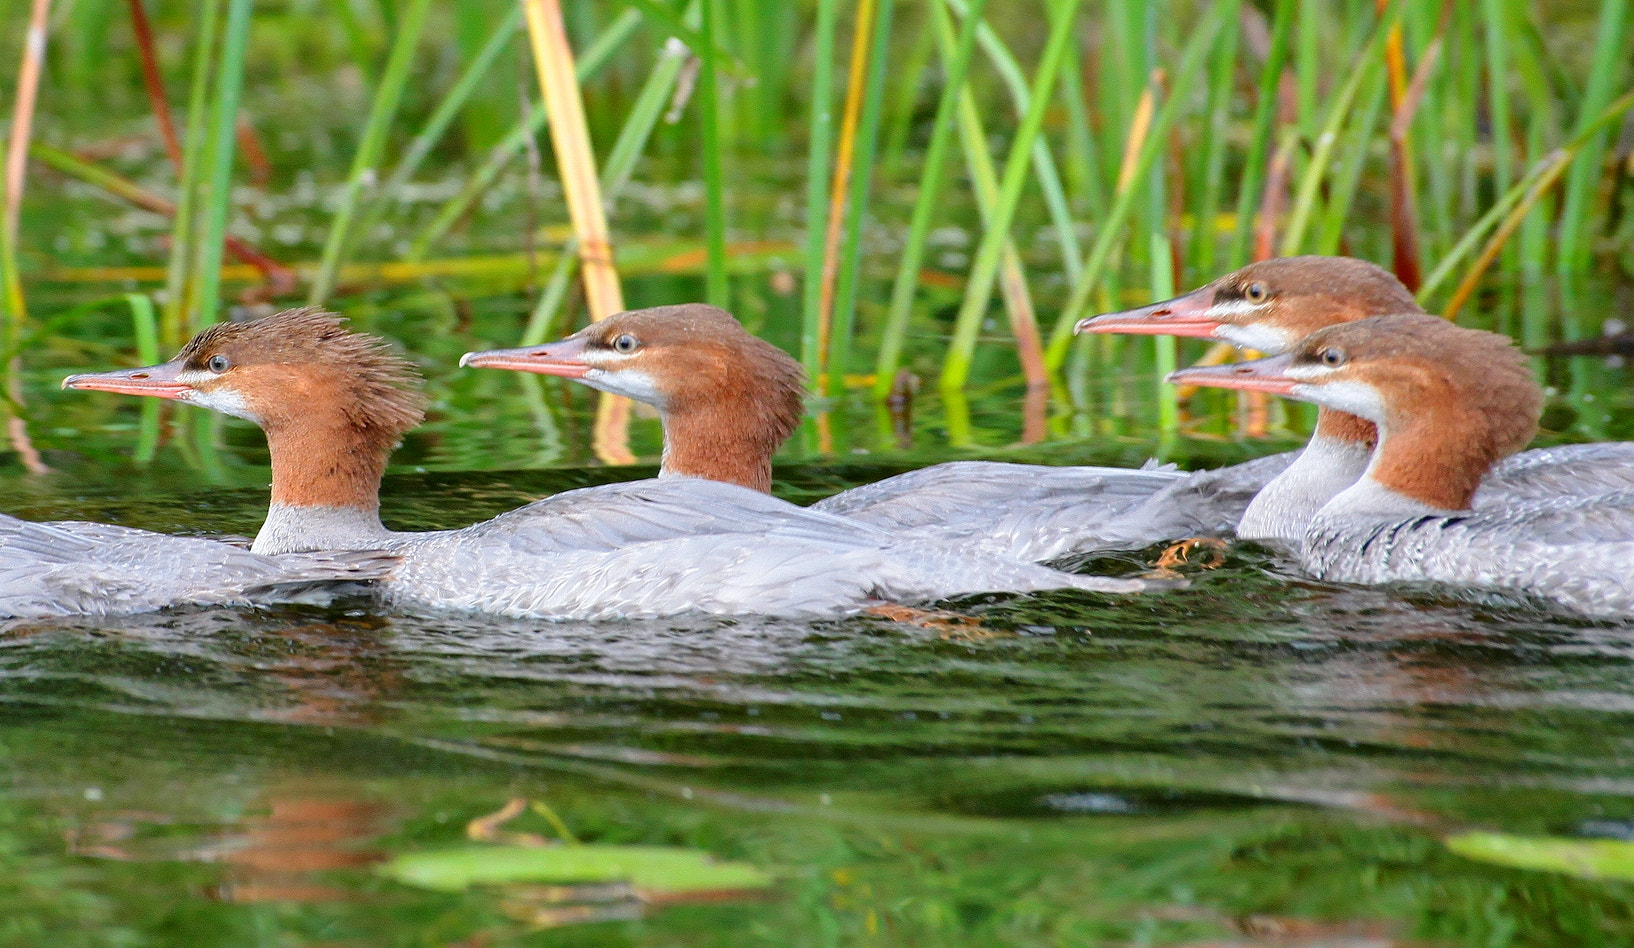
676,545
1576,550
77,568
1036,512
1557,523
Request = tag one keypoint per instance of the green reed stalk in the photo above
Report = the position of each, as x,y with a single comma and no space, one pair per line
1086,190
931,179
1049,178
1209,176
1259,142
145,327
1123,201
716,289
595,57
1495,28
983,273
366,160
844,313
223,135
900,123
181,287
819,155
615,173
984,184
447,110
1367,63
1347,178
1513,207
1611,54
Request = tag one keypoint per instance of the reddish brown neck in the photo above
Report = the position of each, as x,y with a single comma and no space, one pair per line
327,463
720,440
1437,458
1346,429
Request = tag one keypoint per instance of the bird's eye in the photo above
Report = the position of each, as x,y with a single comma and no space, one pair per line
1332,357
219,364
1257,292
626,343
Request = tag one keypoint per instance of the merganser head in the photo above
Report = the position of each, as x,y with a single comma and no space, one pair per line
333,402
280,370
1270,305
728,399
1448,401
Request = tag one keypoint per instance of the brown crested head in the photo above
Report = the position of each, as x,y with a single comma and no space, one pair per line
1272,304
299,368
1449,401
728,399
697,358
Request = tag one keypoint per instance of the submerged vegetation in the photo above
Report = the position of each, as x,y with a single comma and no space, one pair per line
1063,156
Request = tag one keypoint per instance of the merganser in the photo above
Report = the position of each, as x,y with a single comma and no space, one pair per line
728,400
78,568
1272,306
1449,403
334,403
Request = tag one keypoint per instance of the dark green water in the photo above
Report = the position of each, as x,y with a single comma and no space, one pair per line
1255,760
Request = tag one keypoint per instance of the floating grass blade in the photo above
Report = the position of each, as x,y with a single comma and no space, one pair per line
984,271
366,160
931,179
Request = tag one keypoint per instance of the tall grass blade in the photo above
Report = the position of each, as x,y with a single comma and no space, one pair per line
984,271
1611,57
223,136
865,148
366,160
154,83
440,119
1100,253
931,179
181,279
1322,156
615,172
1049,178
819,152
11,281
576,163
515,139
145,328
716,290
1264,124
